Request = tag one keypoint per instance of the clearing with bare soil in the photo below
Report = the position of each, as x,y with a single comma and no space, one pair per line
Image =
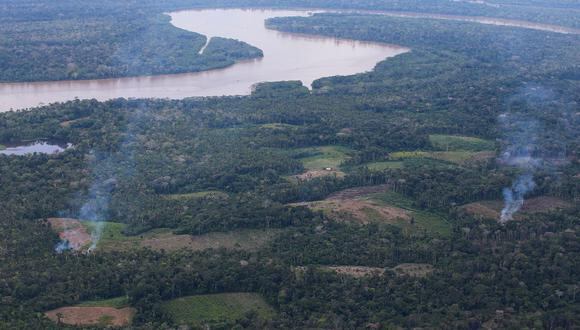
361,211
92,316
71,230
348,205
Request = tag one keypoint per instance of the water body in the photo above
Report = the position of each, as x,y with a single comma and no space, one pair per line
486,20
41,147
287,56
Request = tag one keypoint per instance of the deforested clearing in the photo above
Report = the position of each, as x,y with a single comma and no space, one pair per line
206,309
248,240
358,211
92,316
349,206
492,209
71,230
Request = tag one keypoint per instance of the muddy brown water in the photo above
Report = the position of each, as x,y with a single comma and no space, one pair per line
287,56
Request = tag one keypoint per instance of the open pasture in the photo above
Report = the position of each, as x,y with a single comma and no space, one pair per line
202,310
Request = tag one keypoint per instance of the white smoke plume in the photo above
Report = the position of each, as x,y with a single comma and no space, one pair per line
514,196
519,152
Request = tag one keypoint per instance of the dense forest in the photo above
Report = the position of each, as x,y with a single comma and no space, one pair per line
110,46
436,135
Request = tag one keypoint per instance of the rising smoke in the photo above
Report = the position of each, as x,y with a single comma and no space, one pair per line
519,152
107,169
536,127
96,208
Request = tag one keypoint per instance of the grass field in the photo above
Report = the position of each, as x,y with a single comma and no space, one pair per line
322,157
455,157
242,239
460,143
215,308
426,220
113,239
458,150
119,302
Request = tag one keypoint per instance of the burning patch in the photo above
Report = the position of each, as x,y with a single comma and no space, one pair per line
73,235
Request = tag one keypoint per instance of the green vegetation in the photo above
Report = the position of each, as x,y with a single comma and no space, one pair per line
106,320
457,157
131,156
323,157
217,308
380,166
278,126
429,221
200,194
113,238
119,302
455,143
109,46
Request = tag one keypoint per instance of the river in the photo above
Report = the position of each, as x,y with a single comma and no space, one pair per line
287,56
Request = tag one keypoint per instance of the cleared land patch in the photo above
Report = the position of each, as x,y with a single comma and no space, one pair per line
214,308
72,231
356,210
324,157
388,165
492,209
92,316
78,234
347,205
456,157
455,142
113,239
321,161
376,204
421,219
245,239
